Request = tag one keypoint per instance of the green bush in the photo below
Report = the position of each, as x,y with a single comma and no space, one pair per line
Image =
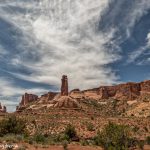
70,132
113,137
12,125
39,138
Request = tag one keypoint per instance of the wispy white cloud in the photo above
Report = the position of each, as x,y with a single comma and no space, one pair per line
8,88
136,54
70,42
139,9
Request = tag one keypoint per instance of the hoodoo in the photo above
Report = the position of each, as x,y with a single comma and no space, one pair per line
64,86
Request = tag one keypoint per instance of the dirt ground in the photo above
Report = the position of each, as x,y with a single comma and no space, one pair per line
72,147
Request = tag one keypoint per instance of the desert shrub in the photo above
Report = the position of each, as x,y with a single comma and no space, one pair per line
39,138
11,138
70,132
135,129
141,144
113,136
65,145
84,142
60,138
148,140
12,125
90,127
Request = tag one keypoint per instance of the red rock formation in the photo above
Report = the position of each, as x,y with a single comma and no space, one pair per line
103,92
4,109
49,96
145,86
28,98
64,86
126,91
65,102
0,106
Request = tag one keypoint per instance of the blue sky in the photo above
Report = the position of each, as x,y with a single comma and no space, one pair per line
94,42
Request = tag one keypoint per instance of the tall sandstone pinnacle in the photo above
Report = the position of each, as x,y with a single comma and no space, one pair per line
64,86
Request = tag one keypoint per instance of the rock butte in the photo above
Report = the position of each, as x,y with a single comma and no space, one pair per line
126,91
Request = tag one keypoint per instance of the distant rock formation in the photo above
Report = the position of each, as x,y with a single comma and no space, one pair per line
3,109
28,98
128,91
64,86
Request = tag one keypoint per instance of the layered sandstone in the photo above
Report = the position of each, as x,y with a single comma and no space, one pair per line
128,91
65,102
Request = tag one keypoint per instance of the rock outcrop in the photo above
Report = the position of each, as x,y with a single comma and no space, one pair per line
28,98
48,97
128,91
3,109
65,102
1,106
64,86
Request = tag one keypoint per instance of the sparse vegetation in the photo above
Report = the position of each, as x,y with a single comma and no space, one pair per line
39,138
114,136
12,125
70,132
65,145
90,126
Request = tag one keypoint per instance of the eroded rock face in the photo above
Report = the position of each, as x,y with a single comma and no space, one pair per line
129,91
64,86
126,91
28,98
145,86
48,97
3,109
65,102
0,106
